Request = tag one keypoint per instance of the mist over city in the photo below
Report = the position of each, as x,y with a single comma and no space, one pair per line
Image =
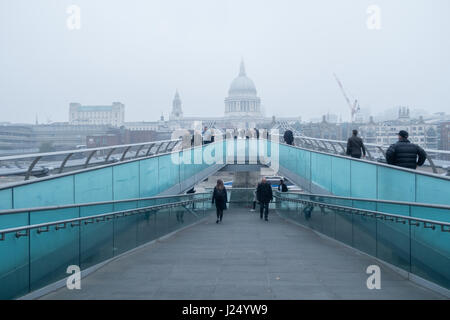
140,53
247,151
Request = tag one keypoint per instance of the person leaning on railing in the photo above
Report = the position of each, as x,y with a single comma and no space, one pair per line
405,154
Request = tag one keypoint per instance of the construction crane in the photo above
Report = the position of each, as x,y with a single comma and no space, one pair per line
353,107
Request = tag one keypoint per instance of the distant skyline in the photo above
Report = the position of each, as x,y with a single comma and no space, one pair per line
139,52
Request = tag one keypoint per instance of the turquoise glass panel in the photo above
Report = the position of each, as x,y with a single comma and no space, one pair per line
321,170
365,234
164,163
396,184
6,199
432,190
146,227
94,186
340,176
14,257
161,221
96,239
125,228
344,228
393,243
399,209
44,193
51,253
430,255
363,180
126,181
149,177
368,205
55,249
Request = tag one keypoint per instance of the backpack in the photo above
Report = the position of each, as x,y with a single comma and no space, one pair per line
284,188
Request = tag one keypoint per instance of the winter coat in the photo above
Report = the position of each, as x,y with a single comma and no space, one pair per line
283,187
264,192
405,154
288,137
220,198
354,147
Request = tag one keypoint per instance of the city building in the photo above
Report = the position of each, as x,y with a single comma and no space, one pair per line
122,136
242,100
113,115
17,138
327,130
65,136
176,113
243,109
421,132
444,135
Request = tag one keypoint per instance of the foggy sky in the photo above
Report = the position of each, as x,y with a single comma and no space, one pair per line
139,52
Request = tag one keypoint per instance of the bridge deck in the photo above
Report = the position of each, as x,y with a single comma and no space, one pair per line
242,258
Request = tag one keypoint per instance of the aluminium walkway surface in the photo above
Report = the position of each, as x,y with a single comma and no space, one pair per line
242,258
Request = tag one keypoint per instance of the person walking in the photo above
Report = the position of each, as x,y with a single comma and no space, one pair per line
355,146
206,135
264,196
219,197
405,154
282,186
257,133
288,137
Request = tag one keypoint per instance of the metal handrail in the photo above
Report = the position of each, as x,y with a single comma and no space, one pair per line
86,204
320,150
368,144
382,148
55,153
418,204
445,226
92,219
91,152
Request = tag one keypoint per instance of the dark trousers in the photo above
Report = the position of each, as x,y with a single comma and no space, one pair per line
219,213
254,205
264,208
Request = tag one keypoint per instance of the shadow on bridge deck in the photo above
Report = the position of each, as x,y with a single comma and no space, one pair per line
242,258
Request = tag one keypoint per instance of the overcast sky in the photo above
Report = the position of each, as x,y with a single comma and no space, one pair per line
139,52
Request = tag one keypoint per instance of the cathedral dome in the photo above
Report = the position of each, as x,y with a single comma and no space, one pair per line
242,85
242,100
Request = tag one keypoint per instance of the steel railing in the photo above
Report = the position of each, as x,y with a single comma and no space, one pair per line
76,222
60,161
425,223
375,152
87,204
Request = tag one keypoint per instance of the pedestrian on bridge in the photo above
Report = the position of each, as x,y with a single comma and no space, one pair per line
355,146
207,134
220,198
282,186
264,196
288,137
405,154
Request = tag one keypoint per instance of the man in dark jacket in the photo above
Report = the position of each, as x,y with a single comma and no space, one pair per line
405,154
282,186
355,146
288,137
264,196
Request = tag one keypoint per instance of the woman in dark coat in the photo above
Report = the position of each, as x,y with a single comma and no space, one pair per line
220,198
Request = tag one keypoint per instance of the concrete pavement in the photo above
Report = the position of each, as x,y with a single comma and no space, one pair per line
243,258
